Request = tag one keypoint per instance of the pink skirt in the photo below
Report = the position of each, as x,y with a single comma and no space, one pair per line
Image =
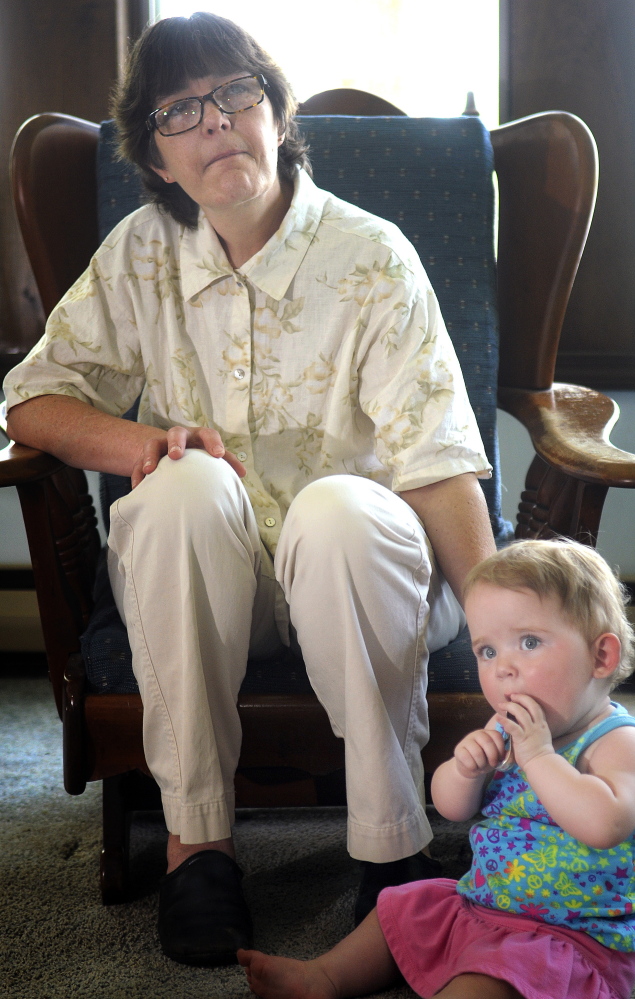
435,934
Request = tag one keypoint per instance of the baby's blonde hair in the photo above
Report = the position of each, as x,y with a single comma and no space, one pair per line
592,597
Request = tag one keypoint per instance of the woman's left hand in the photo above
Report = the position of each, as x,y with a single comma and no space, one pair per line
524,719
175,443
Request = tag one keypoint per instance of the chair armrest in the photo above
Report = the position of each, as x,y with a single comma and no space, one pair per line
569,428
20,464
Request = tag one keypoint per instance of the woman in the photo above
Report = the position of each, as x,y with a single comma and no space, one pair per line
297,385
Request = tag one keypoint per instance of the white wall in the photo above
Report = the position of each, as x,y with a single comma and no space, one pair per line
617,532
14,549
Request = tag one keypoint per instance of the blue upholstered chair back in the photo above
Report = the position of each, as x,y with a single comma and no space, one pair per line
433,178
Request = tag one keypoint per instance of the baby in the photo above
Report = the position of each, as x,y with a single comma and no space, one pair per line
546,910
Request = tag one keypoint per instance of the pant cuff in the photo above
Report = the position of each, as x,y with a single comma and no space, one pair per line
199,823
380,845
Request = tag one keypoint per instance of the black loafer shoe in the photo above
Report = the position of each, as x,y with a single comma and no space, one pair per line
203,916
376,877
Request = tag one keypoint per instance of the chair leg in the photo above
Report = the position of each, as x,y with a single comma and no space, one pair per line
74,725
121,796
113,867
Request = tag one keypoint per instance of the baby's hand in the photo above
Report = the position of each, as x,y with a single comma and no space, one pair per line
524,719
480,752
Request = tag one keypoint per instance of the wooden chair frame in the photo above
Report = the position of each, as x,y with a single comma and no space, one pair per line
547,178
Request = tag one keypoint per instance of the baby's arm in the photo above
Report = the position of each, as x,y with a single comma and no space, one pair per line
457,785
595,804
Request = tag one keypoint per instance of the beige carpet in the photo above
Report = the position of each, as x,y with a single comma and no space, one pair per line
58,941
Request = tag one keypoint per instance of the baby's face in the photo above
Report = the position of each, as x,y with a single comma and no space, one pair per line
525,645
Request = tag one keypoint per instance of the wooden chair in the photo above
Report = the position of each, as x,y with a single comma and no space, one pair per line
546,168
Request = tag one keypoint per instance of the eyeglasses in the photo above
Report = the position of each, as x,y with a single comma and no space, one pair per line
180,116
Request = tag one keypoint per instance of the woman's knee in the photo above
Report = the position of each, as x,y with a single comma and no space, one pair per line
347,512
193,485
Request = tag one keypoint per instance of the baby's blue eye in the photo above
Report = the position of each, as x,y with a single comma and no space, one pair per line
487,652
530,642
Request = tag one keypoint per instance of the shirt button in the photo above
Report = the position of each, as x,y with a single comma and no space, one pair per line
270,522
239,373
241,455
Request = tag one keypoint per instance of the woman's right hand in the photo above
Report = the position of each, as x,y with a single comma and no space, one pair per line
174,445
480,752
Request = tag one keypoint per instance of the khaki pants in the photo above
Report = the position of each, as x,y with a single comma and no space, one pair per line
197,592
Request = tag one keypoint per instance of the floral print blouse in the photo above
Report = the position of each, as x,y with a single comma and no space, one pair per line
324,353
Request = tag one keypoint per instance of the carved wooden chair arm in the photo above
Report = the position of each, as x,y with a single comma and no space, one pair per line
20,464
569,427
575,463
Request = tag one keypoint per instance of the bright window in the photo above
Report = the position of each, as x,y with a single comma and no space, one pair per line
421,55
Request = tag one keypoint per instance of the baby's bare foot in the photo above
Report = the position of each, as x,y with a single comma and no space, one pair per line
282,978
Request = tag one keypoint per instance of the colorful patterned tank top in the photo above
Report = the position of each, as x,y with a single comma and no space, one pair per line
524,863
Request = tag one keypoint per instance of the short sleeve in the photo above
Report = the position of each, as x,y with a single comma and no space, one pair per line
411,385
90,348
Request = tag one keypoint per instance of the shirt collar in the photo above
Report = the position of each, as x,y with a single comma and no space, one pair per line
273,268
202,258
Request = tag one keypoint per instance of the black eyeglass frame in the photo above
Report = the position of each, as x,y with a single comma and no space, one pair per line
151,122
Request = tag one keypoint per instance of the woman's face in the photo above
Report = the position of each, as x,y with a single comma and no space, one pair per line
227,161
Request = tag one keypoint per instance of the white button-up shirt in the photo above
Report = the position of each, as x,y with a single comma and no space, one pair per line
325,353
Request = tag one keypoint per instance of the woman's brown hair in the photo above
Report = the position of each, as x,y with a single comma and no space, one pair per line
166,57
